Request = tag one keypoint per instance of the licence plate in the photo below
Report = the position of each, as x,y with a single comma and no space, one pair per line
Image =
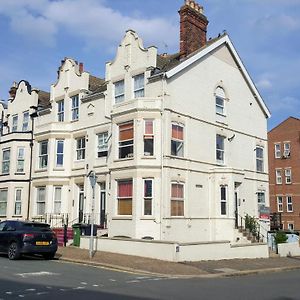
42,243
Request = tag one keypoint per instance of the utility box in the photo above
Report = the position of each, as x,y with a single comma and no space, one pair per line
77,232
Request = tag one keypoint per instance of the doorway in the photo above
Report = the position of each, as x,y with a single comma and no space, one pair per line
102,205
80,203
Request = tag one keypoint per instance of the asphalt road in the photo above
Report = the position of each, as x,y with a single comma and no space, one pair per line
39,279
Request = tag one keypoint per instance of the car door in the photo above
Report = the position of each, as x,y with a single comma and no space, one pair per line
2,235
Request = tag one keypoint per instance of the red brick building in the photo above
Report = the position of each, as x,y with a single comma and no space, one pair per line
284,172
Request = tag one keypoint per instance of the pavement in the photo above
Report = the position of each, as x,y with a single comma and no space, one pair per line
209,269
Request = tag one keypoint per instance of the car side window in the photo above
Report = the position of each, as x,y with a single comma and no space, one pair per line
11,226
2,225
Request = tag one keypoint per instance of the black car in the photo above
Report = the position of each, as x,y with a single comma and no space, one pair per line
20,237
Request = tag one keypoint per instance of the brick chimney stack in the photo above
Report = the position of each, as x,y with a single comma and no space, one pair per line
193,27
81,68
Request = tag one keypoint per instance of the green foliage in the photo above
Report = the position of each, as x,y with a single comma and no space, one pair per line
280,237
251,224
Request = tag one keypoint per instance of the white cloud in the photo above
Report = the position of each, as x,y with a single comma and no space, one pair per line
87,19
264,84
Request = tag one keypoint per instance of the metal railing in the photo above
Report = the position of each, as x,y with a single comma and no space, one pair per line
251,225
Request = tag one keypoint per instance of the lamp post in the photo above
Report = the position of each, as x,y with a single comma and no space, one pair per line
93,179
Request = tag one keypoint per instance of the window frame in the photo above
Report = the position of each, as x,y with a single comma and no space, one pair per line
20,159
40,203
220,107
6,161
75,107
102,144
59,154
147,198
278,172
223,200
57,202
5,201
288,178
126,143
128,197
277,152
177,143
220,151
138,89
286,150
259,160
15,120
60,110
120,96
25,124
279,201
177,210
80,148
18,203
289,203
148,138
43,157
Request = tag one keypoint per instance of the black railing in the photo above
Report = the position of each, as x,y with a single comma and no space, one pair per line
251,225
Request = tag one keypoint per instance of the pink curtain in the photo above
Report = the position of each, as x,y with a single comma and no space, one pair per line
125,188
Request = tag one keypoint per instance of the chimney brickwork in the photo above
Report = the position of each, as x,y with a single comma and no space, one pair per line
193,27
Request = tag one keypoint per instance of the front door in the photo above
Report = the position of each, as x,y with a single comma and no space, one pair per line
81,203
102,205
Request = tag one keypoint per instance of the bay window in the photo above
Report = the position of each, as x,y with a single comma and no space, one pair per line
126,140
148,138
43,154
125,197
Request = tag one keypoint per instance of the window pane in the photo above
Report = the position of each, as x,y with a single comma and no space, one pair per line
126,131
177,132
148,126
148,188
125,188
125,207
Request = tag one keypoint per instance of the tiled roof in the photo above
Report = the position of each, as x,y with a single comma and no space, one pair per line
166,62
44,99
95,83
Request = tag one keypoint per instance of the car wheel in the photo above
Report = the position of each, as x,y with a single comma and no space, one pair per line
49,255
13,251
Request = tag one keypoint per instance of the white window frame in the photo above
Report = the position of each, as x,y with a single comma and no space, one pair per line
289,227
59,154
14,126
286,149
43,157
61,110
261,199
20,160
40,202
102,145
220,101
278,175
75,107
289,203
177,199
277,150
119,95
25,125
177,142
148,197
80,148
148,137
3,201
259,160
288,175
220,151
18,202
6,161
56,201
138,90
223,201
279,200
126,143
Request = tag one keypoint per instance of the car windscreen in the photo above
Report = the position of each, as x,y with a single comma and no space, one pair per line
36,227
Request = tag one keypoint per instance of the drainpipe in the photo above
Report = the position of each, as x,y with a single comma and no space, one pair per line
32,116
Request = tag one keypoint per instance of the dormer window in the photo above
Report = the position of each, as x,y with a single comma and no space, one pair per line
138,85
220,101
119,91
25,125
61,111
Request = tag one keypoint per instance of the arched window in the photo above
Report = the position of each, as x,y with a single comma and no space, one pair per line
220,101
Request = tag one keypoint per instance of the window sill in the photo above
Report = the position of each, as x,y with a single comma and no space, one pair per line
122,218
73,121
221,115
17,216
149,218
79,160
220,164
58,169
40,170
20,173
4,174
123,159
148,157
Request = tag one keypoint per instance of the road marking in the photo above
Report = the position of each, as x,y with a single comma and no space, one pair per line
21,296
8,293
83,283
41,273
132,281
113,280
226,270
95,285
41,293
30,290
79,288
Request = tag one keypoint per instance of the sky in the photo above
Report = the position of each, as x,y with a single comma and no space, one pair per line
35,35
